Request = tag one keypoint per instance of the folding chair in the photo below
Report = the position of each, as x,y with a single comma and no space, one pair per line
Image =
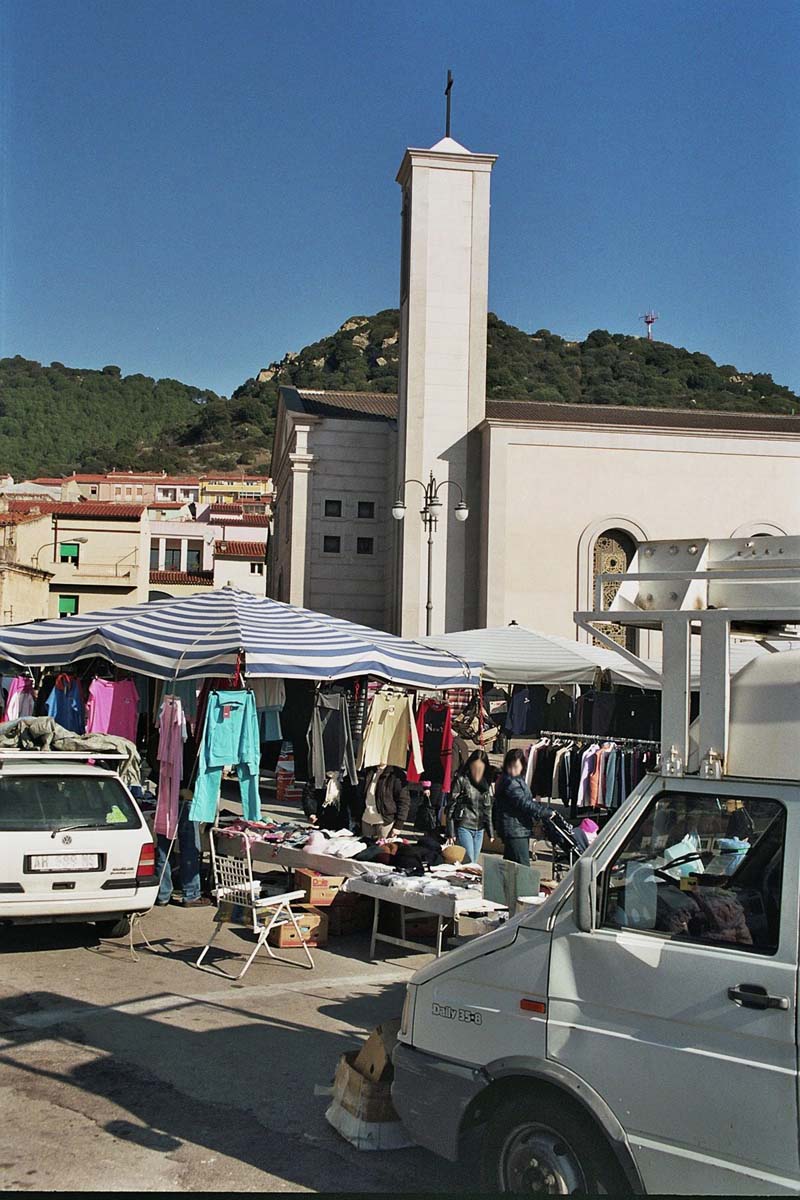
234,889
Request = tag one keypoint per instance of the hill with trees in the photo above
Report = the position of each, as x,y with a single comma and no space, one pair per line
57,419
606,368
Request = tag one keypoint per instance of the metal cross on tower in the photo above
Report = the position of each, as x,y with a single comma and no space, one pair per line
447,92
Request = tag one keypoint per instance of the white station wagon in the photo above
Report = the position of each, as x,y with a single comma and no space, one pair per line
74,845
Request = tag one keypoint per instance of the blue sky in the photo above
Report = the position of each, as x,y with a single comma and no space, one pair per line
192,188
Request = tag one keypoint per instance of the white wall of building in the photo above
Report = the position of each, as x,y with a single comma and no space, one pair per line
553,489
245,574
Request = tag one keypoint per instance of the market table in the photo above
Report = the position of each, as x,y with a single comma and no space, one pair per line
444,908
293,859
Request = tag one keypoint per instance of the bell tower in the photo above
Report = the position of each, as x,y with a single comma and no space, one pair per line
444,282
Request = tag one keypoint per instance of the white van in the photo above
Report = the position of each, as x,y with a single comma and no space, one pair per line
638,1031
74,845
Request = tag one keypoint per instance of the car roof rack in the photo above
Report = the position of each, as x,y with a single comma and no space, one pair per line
66,755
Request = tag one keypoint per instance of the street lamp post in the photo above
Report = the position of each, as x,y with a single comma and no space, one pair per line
35,558
429,512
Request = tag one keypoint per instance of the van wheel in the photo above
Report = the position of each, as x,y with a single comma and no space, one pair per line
547,1147
120,927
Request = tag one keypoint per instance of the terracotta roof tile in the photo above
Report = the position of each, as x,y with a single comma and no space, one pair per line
96,509
247,520
19,518
252,550
368,405
200,578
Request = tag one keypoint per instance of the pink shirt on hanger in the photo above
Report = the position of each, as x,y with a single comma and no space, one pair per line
113,708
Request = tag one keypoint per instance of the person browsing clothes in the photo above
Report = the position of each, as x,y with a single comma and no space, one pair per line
515,810
469,809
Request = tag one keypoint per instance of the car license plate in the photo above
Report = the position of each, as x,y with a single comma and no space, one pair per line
65,862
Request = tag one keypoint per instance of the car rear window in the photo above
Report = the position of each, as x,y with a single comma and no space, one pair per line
58,802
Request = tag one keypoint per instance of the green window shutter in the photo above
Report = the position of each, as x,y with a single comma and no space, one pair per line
69,551
67,606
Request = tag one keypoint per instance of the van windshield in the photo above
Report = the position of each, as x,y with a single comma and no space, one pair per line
37,802
702,868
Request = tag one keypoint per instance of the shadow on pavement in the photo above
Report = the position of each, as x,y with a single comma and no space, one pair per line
243,1090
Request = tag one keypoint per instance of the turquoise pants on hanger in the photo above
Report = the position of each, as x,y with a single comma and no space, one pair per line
230,738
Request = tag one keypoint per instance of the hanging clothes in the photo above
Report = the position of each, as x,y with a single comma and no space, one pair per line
186,691
172,735
270,697
295,720
527,711
590,765
435,733
21,700
46,685
559,714
330,742
113,707
357,703
230,739
390,727
65,704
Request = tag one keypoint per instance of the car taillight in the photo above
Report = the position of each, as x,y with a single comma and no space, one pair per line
147,862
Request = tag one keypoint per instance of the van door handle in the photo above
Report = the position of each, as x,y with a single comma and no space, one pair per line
752,995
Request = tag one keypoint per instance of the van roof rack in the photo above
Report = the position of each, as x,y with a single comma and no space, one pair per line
716,588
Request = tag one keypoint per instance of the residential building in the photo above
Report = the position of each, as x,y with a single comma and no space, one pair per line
235,488
557,493
97,554
241,565
184,547
125,487
24,590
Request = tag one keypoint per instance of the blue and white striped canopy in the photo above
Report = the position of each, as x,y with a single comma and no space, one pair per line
190,637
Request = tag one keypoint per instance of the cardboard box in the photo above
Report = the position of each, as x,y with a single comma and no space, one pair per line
374,1059
319,890
313,927
364,1099
349,913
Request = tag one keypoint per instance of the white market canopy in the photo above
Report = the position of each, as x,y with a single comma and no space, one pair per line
203,635
516,654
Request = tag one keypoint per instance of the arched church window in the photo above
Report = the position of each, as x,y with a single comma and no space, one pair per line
613,553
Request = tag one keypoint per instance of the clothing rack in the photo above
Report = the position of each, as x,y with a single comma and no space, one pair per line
599,737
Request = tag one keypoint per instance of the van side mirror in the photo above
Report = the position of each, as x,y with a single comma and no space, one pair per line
584,893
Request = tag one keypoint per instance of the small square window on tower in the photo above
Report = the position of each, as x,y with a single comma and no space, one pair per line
333,508
331,545
365,545
366,510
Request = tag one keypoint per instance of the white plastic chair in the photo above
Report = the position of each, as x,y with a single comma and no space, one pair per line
234,884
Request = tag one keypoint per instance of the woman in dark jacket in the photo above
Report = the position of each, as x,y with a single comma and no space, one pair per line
515,810
469,809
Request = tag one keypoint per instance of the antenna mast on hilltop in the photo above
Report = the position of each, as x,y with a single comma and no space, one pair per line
649,319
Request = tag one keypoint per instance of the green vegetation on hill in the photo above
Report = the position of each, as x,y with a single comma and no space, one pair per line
56,419
604,369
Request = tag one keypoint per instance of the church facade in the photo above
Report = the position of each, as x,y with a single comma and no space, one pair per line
557,493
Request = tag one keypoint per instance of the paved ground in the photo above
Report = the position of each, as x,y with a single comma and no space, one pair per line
118,1074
